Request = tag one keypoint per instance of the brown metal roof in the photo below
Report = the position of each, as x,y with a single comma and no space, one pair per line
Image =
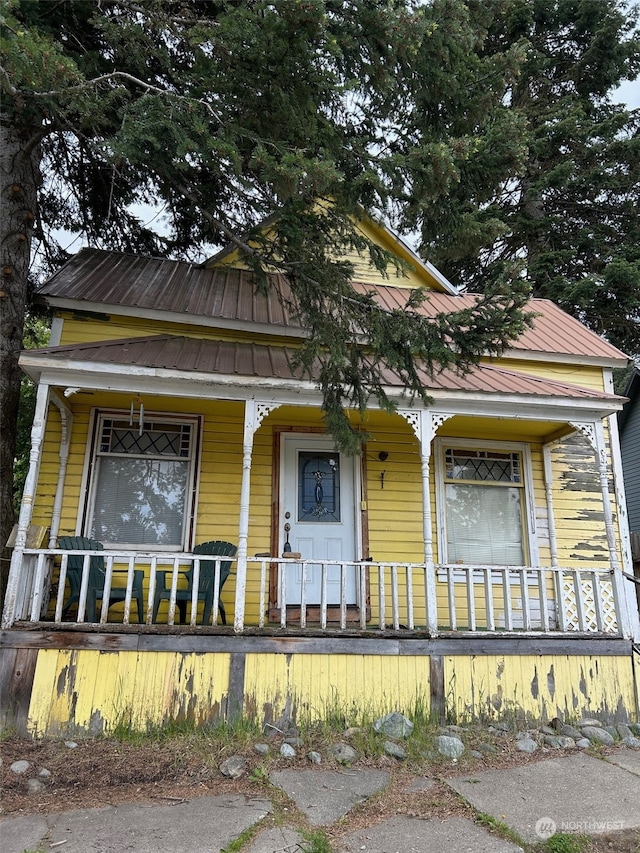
110,280
232,358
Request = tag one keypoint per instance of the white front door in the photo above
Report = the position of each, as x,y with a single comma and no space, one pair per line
318,504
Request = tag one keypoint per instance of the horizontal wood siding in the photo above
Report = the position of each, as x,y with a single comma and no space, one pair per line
394,502
585,376
113,327
577,501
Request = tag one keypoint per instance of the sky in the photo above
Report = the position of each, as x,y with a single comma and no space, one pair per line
628,93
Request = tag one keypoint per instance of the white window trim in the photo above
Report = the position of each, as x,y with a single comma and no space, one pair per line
530,541
89,478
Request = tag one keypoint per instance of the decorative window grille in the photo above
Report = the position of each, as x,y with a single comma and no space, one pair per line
484,498
143,482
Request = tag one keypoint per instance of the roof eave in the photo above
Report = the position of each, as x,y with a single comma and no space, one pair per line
101,376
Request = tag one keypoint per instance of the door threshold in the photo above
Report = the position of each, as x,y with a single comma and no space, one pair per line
313,614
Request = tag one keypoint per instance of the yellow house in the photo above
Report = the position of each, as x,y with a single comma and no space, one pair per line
471,561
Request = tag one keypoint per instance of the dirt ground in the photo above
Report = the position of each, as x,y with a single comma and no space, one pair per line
108,772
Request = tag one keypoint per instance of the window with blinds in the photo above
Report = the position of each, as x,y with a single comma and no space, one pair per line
484,507
142,482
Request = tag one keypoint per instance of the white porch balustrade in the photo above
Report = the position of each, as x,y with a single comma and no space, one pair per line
391,596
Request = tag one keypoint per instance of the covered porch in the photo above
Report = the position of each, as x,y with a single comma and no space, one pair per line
529,446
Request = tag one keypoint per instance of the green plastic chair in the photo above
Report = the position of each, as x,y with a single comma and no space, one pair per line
217,548
97,577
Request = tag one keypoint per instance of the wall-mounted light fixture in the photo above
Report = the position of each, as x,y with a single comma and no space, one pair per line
382,456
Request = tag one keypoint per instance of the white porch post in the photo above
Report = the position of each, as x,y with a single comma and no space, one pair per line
425,424
594,433
254,412
11,602
66,418
548,489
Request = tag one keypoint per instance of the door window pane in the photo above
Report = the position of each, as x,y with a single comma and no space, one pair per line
318,486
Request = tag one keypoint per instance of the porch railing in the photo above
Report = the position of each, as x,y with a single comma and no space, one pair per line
389,596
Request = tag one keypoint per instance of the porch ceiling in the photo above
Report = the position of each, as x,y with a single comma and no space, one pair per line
223,362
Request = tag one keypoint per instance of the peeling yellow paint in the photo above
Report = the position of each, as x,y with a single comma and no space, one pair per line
89,692
320,685
93,692
537,686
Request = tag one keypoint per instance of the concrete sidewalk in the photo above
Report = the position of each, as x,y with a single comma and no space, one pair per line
572,793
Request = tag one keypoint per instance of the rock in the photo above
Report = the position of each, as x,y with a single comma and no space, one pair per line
527,744
552,741
456,728
500,727
293,741
597,735
547,730
450,747
352,730
624,730
570,731
488,748
20,767
635,729
566,742
475,753
343,753
261,748
70,744
287,751
394,725
233,767
394,750
588,722
613,731
314,757
44,773
583,743
632,742
34,786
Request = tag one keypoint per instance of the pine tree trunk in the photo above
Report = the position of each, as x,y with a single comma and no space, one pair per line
19,177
